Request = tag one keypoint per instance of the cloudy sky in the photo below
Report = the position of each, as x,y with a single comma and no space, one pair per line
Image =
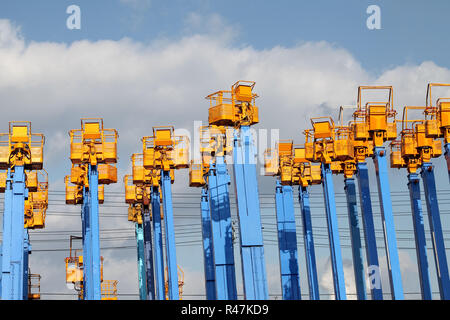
143,63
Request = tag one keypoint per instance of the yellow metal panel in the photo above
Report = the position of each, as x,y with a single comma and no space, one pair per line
243,93
322,130
20,133
91,130
377,118
163,137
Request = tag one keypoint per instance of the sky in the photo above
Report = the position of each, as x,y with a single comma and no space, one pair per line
143,63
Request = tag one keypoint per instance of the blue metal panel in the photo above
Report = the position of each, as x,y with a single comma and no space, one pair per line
419,232
208,249
313,281
287,242
369,227
384,193
250,229
447,157
139,232
355,233
159,253
437,236
171,257
150,278
333,233
7,240
95,232
219,204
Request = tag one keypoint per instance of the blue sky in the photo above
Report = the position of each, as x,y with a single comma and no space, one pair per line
307,58
411,30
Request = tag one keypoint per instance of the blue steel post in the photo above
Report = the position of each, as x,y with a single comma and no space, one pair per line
150,278
355,233
7,240
333,233
419,232
219,204
87,249
369,227
139,232
250,229
287,242
95,232
313,281
171,257
437,236
159,253
384,193
208,249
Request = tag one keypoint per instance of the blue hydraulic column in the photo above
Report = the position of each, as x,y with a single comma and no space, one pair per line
355,233
7,271
419,232
13,235
139,232
95,232
148,254
250,229
86,239
384,193
171,257
437,236
159,253
313,281
87,252
26,253
369,227
287,242
219,204
208,249
333,233
447,157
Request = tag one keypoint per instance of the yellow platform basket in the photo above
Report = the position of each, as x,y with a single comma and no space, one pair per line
31,181
432,128
37,151
3,176
180,154
107,174
316,174
130,190
101,194
109,142
437,148
444,113
196,175
408,146
397,160
377,117
76,146
109,289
